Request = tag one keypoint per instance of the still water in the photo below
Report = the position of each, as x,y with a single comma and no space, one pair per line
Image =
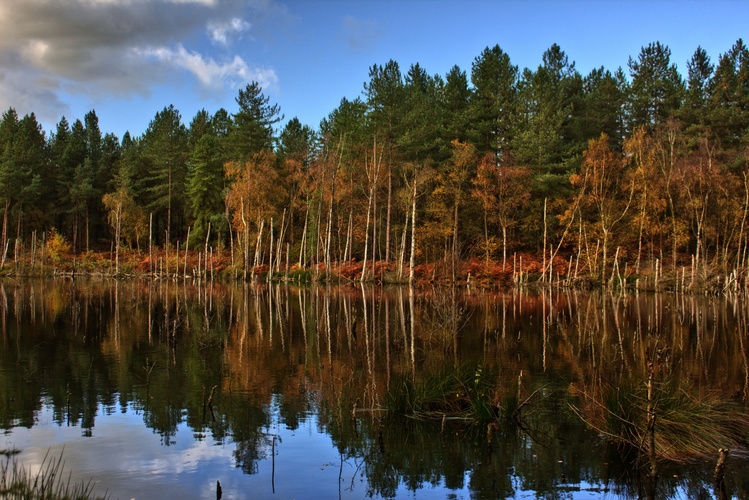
161,390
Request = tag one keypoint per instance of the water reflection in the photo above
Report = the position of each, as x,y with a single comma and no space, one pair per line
152,387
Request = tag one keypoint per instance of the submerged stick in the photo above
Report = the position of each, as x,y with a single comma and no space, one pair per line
720,471
210,397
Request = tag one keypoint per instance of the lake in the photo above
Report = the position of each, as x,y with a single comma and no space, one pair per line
161,389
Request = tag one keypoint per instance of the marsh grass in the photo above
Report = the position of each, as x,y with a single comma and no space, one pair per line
689,425
465,393
50,483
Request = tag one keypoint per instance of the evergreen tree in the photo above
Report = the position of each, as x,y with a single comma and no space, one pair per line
165,148
456,104
601,108
493,108
699,81
421,137
252,128
93,139
9,178
296,142
657,88
110,155
385,94
21,174
729,102
199,126
205,184
546,100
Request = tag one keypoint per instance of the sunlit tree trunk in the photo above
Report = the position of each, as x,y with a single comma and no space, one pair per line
366,234
303,244
387,222
413,235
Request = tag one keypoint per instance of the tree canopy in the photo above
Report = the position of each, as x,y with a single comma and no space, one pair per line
639,164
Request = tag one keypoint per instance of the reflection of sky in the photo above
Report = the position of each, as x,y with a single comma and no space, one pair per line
127,460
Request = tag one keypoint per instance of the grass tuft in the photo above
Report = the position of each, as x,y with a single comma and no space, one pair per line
689,425
465,393
50,483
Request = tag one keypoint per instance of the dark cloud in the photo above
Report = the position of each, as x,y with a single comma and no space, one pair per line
120,47
30,91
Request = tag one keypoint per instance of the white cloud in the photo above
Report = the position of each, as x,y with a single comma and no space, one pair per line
211,73
221,31
35,51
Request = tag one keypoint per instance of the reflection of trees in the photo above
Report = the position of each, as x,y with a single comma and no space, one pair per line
279,354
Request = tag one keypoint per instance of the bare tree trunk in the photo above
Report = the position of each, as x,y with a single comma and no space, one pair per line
5,223
257,248
270,250
739,253
642,228
486,239
504,246
413,236
169,209
87,229
303,244
330,225
402,255
374,235
373,173
166,255
75,232
207,237
366,235
605,255
543,276
281,236
455,241
187,244
349,229
150,242
387,222
318,236
246,237
118,234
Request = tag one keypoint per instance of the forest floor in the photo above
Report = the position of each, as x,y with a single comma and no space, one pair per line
522,269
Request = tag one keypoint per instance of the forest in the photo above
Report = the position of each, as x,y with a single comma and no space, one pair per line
498,174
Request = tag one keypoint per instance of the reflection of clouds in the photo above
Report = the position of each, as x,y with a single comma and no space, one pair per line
124,455
125,459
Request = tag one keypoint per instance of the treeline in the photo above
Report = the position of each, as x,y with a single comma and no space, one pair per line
600,174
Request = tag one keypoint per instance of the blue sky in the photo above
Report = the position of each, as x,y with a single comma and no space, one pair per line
128,59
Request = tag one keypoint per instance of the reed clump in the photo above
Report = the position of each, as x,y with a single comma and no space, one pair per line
688,425
50,483
463,393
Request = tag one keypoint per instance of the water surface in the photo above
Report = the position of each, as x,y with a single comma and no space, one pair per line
118,377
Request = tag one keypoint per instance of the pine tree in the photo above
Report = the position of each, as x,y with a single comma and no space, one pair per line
165,148
252,127
493,110
657,88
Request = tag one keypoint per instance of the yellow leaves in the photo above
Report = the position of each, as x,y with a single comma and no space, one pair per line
133,220
602,181
255,188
